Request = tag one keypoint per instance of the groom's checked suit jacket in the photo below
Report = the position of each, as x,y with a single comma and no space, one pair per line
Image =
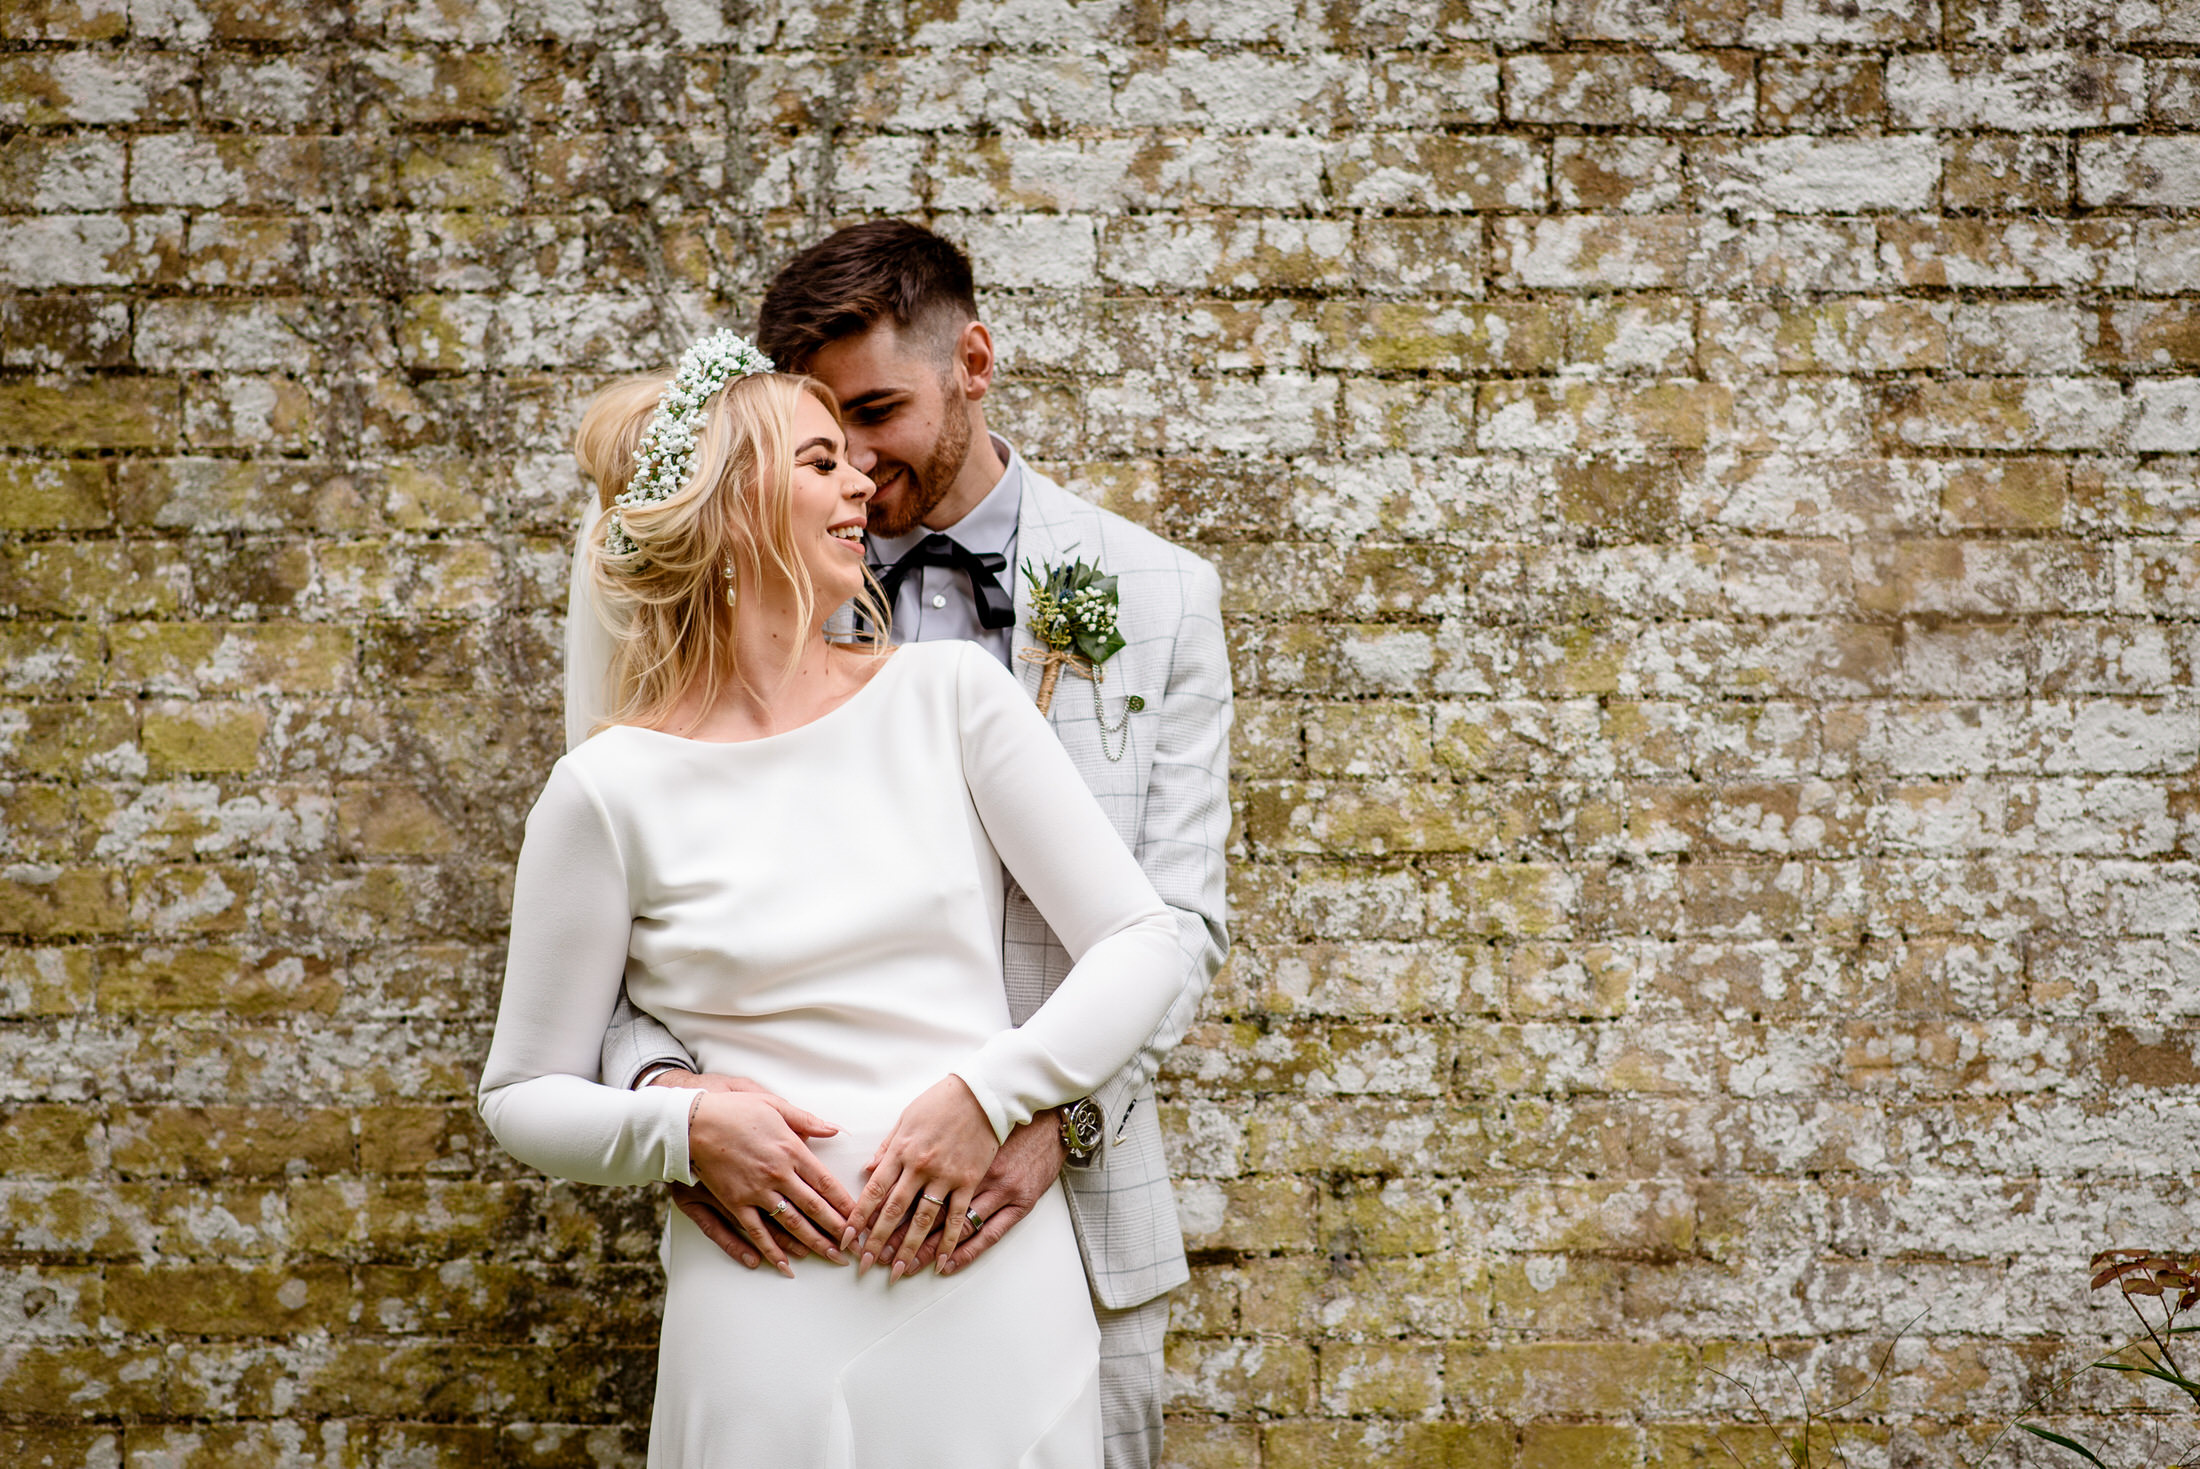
1168,798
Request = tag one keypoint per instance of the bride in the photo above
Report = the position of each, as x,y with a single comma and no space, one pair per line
792,851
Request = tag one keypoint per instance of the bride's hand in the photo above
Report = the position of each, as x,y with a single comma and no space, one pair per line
749,1149
928,1170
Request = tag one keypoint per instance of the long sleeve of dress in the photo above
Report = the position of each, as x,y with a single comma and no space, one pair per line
1052,835
570,924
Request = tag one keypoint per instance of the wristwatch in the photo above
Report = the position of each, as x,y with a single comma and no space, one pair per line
1082,1129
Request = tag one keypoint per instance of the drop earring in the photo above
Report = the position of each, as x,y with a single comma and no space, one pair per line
728,568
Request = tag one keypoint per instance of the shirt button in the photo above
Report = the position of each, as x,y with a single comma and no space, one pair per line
938,600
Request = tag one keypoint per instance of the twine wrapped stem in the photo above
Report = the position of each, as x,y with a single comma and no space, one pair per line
1051,662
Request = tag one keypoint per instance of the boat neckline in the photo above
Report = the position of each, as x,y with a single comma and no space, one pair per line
893,660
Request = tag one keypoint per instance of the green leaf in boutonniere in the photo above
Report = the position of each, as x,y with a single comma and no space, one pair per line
1075,609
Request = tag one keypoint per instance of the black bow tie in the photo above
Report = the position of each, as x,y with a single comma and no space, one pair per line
995,610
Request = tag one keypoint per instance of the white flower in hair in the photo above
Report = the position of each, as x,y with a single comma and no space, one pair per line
666,454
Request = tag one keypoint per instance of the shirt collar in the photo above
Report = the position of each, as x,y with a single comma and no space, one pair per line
990,525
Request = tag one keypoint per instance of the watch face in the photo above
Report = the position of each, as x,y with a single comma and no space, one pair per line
1081,1121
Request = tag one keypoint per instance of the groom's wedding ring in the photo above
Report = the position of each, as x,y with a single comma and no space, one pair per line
975,1222
939,1203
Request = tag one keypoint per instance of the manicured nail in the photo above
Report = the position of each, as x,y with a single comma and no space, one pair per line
900,1269
864,1264
786,1269
848,1237
835,1256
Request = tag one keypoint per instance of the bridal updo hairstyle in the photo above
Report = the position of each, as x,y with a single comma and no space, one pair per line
667,606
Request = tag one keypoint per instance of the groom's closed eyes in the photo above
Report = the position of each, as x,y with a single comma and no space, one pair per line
872,409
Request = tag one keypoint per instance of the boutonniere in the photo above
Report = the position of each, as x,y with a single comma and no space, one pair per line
1074,612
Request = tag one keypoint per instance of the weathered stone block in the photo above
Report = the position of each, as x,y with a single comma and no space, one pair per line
1781,256
1383,1379
1594,252
1568,417
1446,88
1255,1215
2041,92
1229,91
1358,979
1808,175
1639,175
1231,255
1438,173
40,1141
2149,336
1962,578
41,252
1990,252
235,658
1660,89
2163,172
1319,1444
61,174
205,1142
1555,1379
103,413
68,20
1818,96
55,494
1579,1446
2002,172
2004,413
265,412
43,88
2165,416
1270,1375
48,333
1429,1296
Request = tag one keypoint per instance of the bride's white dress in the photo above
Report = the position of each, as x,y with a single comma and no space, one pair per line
821,910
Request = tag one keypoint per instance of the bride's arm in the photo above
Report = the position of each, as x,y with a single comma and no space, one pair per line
1053,836
570,919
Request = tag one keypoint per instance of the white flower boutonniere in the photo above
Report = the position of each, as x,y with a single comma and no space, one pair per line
1074,612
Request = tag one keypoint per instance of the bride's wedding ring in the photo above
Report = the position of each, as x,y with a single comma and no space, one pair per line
941,1203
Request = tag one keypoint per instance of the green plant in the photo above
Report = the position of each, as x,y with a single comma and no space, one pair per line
2173,1283
1816,1442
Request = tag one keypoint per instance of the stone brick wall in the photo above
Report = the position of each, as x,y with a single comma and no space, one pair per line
1707,499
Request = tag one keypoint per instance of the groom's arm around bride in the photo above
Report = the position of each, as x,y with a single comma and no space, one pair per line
884,314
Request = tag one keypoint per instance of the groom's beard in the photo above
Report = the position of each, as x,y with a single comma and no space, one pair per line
923,486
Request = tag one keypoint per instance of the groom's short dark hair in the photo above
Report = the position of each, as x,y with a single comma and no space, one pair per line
848,282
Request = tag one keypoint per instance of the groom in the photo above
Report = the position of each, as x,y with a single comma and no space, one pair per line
885,315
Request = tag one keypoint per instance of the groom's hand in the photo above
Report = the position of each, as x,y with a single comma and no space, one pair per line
695,1201
1023,1170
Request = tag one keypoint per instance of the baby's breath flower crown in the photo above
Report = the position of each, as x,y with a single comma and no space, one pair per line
666,454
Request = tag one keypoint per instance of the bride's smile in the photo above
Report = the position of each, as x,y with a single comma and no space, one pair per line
829,505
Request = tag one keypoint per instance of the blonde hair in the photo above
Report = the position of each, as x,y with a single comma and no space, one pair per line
666,604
